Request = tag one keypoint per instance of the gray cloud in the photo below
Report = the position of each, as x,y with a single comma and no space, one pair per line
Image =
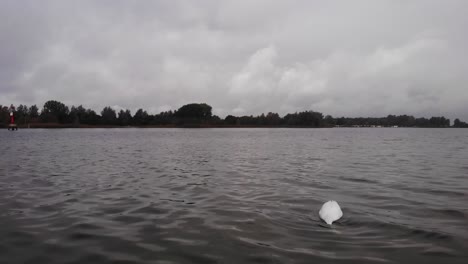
351,58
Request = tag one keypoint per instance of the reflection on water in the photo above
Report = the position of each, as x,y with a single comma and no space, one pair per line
233,195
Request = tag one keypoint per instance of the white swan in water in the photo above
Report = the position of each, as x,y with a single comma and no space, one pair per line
330,212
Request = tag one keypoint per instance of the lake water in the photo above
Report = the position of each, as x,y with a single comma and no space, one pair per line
233,195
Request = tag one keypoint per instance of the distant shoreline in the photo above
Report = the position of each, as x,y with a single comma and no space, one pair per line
81,126
55,114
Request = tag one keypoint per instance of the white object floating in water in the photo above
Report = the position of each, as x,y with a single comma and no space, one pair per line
330,212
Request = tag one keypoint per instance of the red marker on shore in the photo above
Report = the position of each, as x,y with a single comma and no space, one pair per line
12,126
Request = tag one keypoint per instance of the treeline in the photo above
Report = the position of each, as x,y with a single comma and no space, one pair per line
54,112
392,120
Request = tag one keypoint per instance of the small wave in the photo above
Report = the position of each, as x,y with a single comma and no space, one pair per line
82,236
359,180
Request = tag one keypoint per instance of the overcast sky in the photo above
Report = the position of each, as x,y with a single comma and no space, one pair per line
344,58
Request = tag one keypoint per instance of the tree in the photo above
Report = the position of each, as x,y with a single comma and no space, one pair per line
194,111
109,116
329,121
306,118
193,114
54,111
125,117
4,115
33,111
163,118
140,118
78,115
272,119
458,123
216,120
21,114
92,118
230,120
439,122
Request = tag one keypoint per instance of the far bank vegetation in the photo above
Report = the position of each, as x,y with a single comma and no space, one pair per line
56,114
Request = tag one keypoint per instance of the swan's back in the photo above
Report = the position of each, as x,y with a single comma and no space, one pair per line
330,212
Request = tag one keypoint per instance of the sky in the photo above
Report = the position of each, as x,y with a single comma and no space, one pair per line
242,57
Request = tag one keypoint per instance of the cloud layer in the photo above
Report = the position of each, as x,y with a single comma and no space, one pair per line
345,58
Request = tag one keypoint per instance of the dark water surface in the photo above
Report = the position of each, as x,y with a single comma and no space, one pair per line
233,195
